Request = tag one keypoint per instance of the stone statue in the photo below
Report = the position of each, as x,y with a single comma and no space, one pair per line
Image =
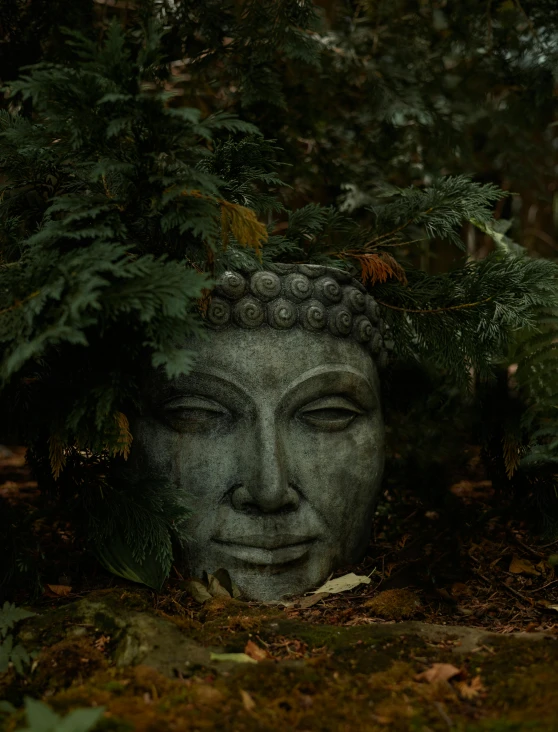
276,437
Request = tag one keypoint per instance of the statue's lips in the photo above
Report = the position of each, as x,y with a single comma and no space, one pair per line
266,550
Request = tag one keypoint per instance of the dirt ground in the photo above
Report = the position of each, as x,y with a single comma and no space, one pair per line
392,654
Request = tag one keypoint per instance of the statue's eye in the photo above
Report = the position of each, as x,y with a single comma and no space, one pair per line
192,414
330,413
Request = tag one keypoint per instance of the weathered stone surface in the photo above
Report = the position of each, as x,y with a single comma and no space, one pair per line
276,438
137,637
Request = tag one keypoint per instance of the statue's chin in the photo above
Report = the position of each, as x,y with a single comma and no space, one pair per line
268,575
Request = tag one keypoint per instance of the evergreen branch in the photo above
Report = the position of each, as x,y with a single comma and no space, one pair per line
20,303
434,311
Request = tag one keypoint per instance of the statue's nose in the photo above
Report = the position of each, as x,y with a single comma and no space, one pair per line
266,487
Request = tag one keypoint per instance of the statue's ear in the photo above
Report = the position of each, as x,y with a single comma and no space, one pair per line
116,555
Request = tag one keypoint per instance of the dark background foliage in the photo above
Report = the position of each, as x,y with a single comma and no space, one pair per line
278,107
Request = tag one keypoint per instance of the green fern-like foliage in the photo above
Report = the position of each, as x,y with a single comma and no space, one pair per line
108,199
41,718
531,440
10,651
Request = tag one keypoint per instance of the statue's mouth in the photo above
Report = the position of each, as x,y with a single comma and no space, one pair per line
266,550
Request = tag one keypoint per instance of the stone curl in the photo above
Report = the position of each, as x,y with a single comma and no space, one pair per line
218,312
313,297
232,285
265,285
281,314
249,313
313,315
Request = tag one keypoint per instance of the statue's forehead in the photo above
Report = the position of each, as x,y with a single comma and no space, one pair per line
271,359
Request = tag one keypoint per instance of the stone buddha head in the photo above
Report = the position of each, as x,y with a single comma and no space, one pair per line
275,439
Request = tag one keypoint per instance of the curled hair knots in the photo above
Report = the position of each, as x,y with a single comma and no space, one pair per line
362,329
376,342
312,270
297,286
218,312
354,299
372,309
281,313
232,285
282,268
265,285
327,290
313,315
340,321
249,313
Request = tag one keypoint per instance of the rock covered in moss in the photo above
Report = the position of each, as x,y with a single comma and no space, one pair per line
394,604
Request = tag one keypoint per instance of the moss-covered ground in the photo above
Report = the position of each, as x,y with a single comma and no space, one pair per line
309,677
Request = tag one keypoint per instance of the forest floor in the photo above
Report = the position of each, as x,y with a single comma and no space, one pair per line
391,654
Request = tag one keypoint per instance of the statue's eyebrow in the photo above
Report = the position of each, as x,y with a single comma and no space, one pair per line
338,375
185,384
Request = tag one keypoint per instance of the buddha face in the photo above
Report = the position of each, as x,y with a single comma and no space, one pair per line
276,443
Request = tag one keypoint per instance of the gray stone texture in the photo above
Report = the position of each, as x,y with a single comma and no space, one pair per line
276,438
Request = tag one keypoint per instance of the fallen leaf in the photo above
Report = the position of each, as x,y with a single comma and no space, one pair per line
522,566
310,600
458,589
438,672
344,583
59,590
198,591
247,701
101,642
254,651
234,657
225,579
470,689
207,694
215,588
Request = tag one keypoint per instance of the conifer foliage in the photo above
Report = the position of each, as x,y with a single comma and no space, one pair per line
119,205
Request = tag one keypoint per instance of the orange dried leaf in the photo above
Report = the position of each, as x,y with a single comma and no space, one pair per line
243,223
523,566
207,694
57,454
254,651
470,689
380,267
124,436
247,701
204,300
459,589
59,590
310,600
438,672
102,642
